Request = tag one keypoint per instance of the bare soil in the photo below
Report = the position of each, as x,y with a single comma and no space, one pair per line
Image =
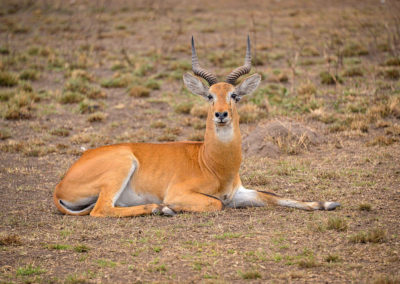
305,136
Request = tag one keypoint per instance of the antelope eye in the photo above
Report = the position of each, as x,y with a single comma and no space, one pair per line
210,97
235,97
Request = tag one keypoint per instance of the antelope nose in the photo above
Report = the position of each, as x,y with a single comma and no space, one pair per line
221,115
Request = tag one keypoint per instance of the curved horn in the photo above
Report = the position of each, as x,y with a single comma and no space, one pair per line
240,71
197,70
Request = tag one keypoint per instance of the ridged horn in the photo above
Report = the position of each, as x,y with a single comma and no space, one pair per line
197,70
240,71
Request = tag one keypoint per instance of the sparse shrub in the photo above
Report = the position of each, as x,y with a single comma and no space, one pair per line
381,140
309,51
183,65
10,240
96,93
166,137
5,133
365,207
197,136
143,68
332,258
88,107
250,274
354,49
393,130
79,84
12,146
158,124
4,50
118,82
329,79
25,86
70,98
81,74
307,263
8,79
200,111
337,224
139,91
306,89
152,84
390,74
5,95
96,117
250,113
376,235
58,247
60,132
21,106
29,74
118,66
81,248
392,61
184,108
386,279
353,72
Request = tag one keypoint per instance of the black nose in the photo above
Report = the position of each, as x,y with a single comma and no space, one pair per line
221,115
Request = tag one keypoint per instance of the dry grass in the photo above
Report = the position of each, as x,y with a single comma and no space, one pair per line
139,92
376,235
10,240
62,65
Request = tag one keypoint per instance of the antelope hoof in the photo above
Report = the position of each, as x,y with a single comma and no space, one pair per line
331,205
168,211
156,211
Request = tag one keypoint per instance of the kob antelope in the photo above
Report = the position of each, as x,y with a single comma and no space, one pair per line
143,178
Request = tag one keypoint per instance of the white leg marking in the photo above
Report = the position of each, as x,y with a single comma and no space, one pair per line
127,196
291,203
244,197
79,206
167,211
124,183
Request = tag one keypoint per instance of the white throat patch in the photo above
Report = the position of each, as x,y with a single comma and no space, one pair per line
224,133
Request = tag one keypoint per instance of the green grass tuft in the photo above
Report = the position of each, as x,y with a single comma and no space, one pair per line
29,74
81,248
139,92
29,270
253,274
8,79
365,207
337,224
327,78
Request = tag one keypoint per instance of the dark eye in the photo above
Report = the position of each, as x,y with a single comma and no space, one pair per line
235,97
210,97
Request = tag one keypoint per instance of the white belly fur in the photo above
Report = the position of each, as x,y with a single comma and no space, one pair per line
129,197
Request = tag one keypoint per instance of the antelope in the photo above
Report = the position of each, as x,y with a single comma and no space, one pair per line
134,179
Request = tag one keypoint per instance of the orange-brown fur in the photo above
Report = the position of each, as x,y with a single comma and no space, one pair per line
177,173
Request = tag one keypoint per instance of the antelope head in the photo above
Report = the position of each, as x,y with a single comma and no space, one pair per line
222,96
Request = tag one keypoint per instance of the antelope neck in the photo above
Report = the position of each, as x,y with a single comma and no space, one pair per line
222,154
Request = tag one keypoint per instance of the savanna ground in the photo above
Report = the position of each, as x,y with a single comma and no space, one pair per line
80,74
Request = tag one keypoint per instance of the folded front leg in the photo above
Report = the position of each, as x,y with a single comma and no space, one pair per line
192,202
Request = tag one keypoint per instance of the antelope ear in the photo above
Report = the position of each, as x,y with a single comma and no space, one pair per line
195,85
248,86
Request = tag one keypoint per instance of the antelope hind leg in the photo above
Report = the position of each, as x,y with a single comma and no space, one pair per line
250,198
